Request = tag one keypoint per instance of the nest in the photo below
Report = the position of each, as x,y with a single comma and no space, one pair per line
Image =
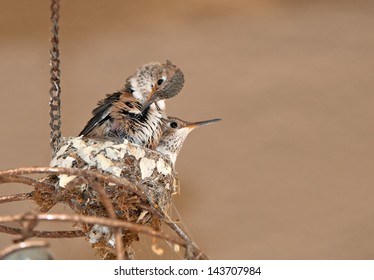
150,182
115,191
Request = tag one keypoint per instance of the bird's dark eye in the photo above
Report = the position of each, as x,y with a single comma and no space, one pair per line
173,125
160,82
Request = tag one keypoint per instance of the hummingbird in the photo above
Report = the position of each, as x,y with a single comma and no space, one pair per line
174,134
136,112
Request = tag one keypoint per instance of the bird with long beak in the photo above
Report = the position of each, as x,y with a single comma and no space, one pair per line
137,112
174,134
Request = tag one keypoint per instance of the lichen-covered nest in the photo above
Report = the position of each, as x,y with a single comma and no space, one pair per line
149,182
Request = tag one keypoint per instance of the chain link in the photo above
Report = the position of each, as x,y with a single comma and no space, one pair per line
55,91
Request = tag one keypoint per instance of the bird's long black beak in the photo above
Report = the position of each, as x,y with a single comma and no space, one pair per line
193,125
153,97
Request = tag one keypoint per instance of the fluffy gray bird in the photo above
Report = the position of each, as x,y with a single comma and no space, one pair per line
137,112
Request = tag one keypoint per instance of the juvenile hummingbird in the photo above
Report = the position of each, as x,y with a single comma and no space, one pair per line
137,111
174,133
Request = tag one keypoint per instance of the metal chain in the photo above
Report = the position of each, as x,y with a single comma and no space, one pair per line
55,91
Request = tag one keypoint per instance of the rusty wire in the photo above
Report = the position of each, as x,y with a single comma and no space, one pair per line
113,223
55,90
44,233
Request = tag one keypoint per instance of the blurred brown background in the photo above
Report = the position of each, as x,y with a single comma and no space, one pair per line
287,174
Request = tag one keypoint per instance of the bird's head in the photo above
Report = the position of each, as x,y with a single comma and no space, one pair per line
174,133
155,82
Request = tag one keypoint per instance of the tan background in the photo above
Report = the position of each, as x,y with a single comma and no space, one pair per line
287,174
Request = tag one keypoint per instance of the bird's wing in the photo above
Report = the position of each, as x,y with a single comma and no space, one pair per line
100,113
